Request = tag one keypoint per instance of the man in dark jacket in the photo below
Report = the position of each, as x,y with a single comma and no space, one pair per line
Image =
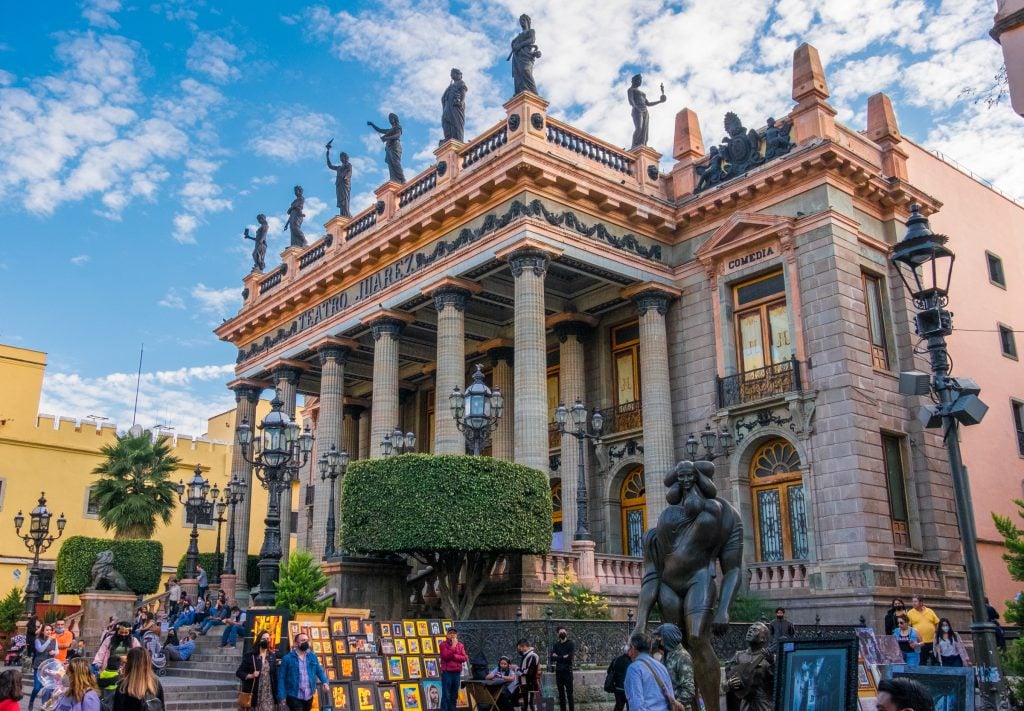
562,655
780,628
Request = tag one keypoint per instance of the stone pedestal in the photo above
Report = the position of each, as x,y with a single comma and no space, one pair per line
98,606
190,586
587,571
360,580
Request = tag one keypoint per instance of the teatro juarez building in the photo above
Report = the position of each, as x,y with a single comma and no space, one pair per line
747,288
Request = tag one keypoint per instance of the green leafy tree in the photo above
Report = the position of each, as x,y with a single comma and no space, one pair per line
299,583
1013,539
458,514
134,487
12,607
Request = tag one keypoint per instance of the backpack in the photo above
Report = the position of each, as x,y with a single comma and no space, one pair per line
107,700
609,678
151,703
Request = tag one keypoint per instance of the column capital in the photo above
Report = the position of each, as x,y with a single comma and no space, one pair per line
651,295
247,389
451,291
570,323
388,322
498,349
333,347
288,370
529,254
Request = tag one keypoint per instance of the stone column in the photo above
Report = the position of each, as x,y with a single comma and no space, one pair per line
247,394
450,297
286,378
652,302
350,428
365,427
387,328
333,354
529,264
501,352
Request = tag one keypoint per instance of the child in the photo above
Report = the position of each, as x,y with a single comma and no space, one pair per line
111,676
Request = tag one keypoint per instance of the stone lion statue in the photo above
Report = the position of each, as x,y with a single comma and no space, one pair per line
105,575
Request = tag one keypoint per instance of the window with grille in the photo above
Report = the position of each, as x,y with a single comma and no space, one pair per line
780,504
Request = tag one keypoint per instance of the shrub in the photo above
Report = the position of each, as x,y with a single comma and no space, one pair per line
747,608
139,561
575,601
299,583
12,607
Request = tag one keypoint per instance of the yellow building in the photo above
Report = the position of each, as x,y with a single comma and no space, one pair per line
56,455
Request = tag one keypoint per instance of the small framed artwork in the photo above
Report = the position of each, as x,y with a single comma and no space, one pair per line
346,668
432,695
410,695
314,633
366,696
352,625
951,687
327,659
422,628
340,646
869,649
366,629
387,646
413,644
431,668
822,671
387,697
409,630
438,641
863,676
317,647
446,625
356,644
293,629
435,627
462,700
395,669
370,668
414,667
397,629
427,645
889,649
400,646
385,629
325,632
337,626
340,697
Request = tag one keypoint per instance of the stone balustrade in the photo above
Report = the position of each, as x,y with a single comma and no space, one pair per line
784,575
566,137
619,570
917,574
555,566
315,253
418,187
484,146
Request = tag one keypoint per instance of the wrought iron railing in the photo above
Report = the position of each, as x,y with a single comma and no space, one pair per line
315,253
273,279
623,418
420,187
588,148
760,384
477,150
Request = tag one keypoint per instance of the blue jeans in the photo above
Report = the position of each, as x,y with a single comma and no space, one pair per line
210,622
36,688
450,682
229,635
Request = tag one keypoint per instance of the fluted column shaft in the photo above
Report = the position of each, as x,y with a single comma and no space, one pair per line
530,438
450,303
329,432
287,381
365,428
501,375
350,430
384,415
246,397
659,449
572,386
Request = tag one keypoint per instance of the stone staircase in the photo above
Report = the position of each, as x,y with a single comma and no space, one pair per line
206,682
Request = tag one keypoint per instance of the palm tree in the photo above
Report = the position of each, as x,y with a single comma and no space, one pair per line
134,488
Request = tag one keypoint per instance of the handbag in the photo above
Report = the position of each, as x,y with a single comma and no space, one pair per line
245,697
609,678
673,703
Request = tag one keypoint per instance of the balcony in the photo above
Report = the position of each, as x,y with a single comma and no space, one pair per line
761,384
623,418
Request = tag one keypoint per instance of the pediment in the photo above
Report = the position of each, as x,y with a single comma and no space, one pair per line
741,230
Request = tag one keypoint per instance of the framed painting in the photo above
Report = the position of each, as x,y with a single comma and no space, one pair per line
366,629
346,668
817,673
325,632
357,644
869,649
317,647
385,629
427,645
331,672
437,642
446,625
340,646
462,700
370,668
411,697
413,644
422,628
314,633
387,697
400,646
340,698
409,629
952,688
431,668
414,667
352,625
365,696
397,629
435,627
432,695
273,621
387,646
395,669
293,629
337,627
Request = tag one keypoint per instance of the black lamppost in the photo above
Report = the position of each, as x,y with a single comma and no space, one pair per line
716,444
579,431
233,494
397,443
332,464
275,458
219,506
37,540
194,498
925,266
476,411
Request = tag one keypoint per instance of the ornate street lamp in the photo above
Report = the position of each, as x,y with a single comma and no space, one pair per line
233,494
578,415
219,507
37,540
332,464
275,456
477,411
397,443
716,444
194,497
925,266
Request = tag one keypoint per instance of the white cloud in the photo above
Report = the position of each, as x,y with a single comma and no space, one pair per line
185,227
295,134
6,78
215,57
98,13
219,302
80,260
172,300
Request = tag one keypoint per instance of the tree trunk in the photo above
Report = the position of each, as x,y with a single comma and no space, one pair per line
461,577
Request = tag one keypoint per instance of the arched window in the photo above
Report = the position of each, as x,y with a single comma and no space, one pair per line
633,504
780,509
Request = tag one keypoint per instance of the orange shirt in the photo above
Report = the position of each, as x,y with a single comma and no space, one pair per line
64,642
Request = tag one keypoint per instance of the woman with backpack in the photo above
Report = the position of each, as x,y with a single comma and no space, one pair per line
615,679
139,689
82,693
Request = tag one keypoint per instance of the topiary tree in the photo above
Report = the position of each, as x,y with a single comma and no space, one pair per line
139,561
456,513
299,583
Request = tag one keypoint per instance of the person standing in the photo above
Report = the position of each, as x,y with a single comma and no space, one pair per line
202,581
298,676
618,669
909,641
453,656
949,650
44,647
563,655
924,621
647,679
138,683
669,638
780,628
82,693
173,596
897,608
529,674
65,640
993,617
258,673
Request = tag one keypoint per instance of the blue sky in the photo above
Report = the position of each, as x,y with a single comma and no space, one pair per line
138,140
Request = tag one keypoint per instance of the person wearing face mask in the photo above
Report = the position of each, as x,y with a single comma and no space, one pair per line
562,654
300,671
118,644
897,608
948,650
258,673
65,640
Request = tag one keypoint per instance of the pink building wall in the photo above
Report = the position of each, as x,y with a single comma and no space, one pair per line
978,219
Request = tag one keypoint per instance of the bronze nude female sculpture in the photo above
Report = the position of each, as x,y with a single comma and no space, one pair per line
259,250
697,530
524,53
453,108
392,139
750,674
639,103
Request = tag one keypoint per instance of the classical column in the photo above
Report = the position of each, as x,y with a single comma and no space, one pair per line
286,379
350,428
652,302
333,354
529,265
500,351
387,328
247,394
450,297
365,427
